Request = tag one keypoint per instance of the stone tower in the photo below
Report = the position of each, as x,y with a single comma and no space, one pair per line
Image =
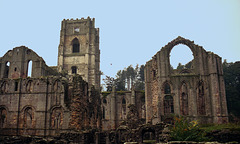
78,51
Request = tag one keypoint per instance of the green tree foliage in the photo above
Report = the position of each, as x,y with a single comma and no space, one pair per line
232,84
129,77
109,82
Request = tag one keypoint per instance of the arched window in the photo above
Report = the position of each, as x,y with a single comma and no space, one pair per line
29,68
6,71
28,117
104,101
74,70
168,99
123,108
3,117
184,99
75,46
167,89
201,99
56,118
168,104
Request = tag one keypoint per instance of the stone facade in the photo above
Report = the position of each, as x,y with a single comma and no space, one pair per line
66,98
47,101
115,107
78,51
197,92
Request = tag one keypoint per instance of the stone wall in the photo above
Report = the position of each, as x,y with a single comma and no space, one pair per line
197,92
116,107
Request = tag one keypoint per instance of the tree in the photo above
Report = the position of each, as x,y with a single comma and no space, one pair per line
120,80
109,82
232,84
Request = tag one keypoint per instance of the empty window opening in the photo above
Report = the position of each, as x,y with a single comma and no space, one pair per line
16,86
167,89
168,104
29,68
184,99
6,71
74,70
181,57
104,101
15,69
201,99
75,46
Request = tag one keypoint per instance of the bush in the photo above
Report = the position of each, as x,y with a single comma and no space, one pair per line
184,130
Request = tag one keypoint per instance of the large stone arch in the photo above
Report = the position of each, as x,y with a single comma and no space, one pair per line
180,40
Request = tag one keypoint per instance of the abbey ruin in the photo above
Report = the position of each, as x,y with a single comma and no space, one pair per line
66,98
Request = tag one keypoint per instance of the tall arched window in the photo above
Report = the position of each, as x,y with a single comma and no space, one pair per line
29,68
168,99
201,99
184,99
75,46
123,108
28,117
56,118
6,71
168,104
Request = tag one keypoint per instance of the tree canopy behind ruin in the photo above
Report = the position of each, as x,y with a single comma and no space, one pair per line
232,84
127,78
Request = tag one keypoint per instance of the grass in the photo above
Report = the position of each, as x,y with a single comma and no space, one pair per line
211,127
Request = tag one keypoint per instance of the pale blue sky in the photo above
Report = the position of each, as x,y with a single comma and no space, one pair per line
131,31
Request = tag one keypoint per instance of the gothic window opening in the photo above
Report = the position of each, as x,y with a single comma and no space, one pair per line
184,99
28,117
168,104
104,101
201,99
123,108
75,46
167,89
29,68
74,70
56,119
6,71
3,117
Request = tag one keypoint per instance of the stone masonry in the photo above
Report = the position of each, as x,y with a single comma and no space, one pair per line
197,92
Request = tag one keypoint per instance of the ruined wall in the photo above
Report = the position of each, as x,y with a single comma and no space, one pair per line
15,63
197,92
45,104
115,107
78,51
34,106
85,106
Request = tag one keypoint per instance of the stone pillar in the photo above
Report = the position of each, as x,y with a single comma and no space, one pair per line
133,101
113,109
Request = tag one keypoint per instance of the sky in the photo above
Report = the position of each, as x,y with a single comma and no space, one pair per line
131,32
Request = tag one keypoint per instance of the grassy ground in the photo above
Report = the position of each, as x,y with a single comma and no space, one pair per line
230,126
